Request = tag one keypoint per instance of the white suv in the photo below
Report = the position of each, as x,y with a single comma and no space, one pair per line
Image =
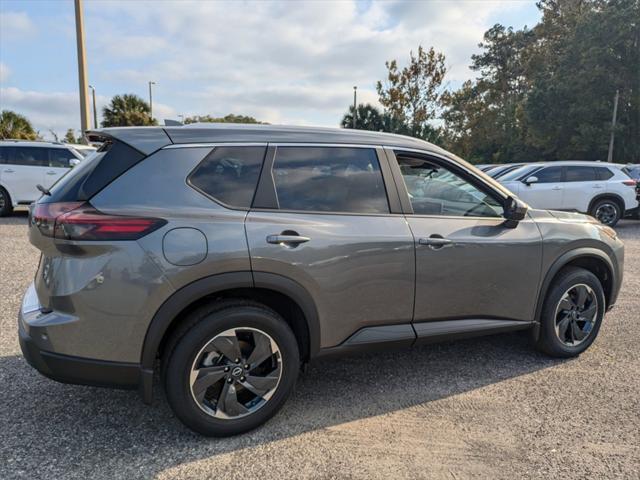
23,165
602,190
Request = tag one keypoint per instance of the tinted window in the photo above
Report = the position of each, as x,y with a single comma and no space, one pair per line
6,153
580,174
434,190
230,174
31,156
518,173
604,173
59,157
548,175
329,179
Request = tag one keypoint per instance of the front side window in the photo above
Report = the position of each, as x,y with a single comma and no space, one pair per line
230,174
31,156
59,157
549,175
581,174
6,154
329,179
434,190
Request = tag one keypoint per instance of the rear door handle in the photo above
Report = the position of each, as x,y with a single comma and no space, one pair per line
51,172
435,242
598,186
8,170
556,188
287,239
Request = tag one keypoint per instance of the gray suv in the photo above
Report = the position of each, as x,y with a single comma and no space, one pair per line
225,257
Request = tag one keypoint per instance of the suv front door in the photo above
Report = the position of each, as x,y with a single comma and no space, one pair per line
469,265
328,218
547,191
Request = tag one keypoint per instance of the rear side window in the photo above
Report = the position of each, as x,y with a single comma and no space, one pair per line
30,156
549,175
229,175
329,179
581,174
604,173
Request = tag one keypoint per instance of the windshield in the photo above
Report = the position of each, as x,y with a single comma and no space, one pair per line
519,172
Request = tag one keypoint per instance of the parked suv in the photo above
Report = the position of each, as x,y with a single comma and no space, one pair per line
227,256
603,190
23,165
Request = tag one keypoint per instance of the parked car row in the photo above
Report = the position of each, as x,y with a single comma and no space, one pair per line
24,165
605,191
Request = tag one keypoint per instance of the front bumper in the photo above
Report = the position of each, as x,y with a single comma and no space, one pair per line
66,368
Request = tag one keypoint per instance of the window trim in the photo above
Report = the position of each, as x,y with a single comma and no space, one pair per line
450,165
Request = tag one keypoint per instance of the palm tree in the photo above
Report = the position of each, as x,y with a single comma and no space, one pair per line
127,110
14,125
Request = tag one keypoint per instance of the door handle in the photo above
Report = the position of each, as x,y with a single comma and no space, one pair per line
435,242
51,172
598,186
287,240
556,188
8,170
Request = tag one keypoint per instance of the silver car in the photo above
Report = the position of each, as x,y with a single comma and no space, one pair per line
227,256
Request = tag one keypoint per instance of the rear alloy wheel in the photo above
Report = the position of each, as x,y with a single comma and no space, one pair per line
5,203
572,313
230,367
607,212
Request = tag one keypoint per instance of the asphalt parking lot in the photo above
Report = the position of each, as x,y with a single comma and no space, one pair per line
488,408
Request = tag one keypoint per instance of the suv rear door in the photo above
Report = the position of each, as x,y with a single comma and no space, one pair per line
470,267
580,186
328,218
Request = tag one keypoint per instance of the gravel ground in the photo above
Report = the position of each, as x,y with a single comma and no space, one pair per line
487,408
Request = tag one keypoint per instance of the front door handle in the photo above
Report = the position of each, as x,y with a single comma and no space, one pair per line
8,170
435,242
556,188
51,172
287,240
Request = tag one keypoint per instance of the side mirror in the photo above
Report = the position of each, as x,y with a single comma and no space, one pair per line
529,180
73,162
514,211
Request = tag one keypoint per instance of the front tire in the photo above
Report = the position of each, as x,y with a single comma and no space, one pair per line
230,368
5,203
572,313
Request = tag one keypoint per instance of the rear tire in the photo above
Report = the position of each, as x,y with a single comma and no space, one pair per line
607,211
230,404
5,203
567,328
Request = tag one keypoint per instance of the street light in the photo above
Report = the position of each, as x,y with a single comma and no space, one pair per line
151,100
95,112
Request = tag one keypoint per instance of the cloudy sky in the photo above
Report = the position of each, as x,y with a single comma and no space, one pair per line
279,61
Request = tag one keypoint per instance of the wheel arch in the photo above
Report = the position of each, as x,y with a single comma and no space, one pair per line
609,195
592,259
279,293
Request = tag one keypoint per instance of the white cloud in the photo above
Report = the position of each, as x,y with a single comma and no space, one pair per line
15,26
4,72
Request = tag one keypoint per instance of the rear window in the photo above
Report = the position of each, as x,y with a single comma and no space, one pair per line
94,173
30,157
229,175
329,179
581,174
604,173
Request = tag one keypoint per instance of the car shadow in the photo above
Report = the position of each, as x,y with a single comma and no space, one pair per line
17,217
76,430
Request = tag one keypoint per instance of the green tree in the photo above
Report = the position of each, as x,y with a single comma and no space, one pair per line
14,125
127,110
411,95
70,137
368,117
231,118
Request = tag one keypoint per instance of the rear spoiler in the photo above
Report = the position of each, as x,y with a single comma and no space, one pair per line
144,139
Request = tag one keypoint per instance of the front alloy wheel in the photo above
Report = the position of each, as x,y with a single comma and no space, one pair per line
236,373
607,213
576,315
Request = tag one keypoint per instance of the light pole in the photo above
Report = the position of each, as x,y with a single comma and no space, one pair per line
82,69
151,100
355,112
95,112
613,126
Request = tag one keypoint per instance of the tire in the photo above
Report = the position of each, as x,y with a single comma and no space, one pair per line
5,203
209,410
607,211
563,292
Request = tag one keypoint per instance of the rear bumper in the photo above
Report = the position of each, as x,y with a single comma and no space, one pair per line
72,369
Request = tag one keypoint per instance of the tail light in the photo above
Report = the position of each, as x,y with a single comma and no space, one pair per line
81,221
630,183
